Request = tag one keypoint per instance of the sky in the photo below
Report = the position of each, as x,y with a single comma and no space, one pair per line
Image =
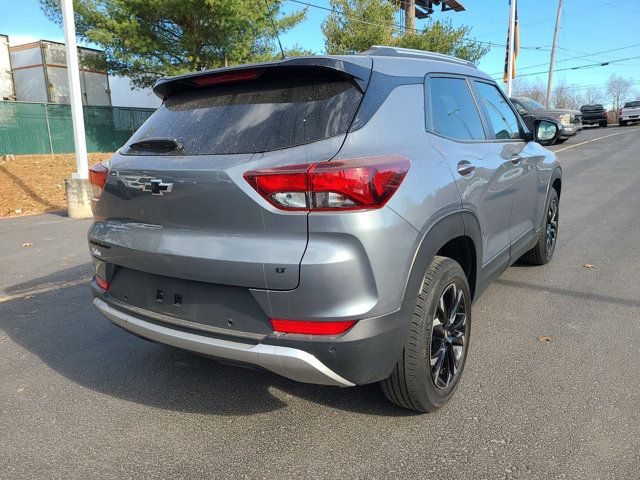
587,28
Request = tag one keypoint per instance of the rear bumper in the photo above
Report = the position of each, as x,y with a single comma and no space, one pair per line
365,354
288,362
570,130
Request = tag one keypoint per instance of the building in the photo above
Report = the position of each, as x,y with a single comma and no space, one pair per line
40,74
37,72
7,92
123,94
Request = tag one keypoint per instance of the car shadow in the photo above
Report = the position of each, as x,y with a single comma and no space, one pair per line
60,277
65,331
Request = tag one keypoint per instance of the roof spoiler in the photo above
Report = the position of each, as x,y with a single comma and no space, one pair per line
356,69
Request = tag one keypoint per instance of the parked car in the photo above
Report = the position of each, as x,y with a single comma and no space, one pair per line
530,110
629,113
330,219
594,115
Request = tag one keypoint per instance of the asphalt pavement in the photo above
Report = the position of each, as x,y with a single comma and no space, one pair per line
80,398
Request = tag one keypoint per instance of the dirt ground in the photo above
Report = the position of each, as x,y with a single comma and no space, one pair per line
35,183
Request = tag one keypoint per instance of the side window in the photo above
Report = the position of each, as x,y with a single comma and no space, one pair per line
453,111
503,121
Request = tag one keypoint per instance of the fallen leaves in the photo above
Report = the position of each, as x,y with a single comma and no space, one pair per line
545,339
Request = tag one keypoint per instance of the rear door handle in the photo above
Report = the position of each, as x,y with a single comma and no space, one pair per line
465,167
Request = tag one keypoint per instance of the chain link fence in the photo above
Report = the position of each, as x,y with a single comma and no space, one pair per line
31,128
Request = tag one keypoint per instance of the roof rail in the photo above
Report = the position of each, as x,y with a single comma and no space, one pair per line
385,51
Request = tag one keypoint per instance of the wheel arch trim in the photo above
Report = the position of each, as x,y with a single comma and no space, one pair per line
457,224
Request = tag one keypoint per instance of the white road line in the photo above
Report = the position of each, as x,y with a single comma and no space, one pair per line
31,293
594,139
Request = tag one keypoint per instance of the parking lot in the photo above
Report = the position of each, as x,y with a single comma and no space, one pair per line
79,397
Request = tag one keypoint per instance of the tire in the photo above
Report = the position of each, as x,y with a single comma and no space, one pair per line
603,124
561,140
542,253
622,123
415,383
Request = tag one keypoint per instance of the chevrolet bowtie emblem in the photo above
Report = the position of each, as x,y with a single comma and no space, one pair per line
157,187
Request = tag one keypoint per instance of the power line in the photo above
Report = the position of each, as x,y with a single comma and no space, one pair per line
489,44
399,26
591,65
574,58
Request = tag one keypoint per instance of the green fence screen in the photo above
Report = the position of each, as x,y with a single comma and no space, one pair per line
29,128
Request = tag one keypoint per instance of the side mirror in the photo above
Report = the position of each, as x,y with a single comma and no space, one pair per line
546,132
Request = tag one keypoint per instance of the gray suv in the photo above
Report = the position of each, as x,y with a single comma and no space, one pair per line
330,219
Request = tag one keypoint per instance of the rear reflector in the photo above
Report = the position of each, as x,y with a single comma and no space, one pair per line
102,283
228,77
357,184
98,178
309,327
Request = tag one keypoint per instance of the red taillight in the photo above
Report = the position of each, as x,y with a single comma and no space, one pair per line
98,177
361,183
102,283
311,327
227,77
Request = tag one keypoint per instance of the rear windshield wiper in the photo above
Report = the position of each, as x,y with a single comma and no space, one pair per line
156,145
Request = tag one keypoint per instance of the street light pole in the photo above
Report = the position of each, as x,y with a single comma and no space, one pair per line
410,15
75,93
78,188
553,55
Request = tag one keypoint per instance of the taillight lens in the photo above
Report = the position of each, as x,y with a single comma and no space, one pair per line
102,283
98,177
357,184
311,327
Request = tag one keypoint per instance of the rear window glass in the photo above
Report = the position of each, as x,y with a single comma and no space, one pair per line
631,104
254,116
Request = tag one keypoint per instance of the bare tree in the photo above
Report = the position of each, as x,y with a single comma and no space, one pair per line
618,89
566,96
592,95
534,90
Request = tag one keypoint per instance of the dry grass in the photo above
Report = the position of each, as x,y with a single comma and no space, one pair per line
35,183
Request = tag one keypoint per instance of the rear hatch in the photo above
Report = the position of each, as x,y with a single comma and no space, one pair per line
175,202
631,109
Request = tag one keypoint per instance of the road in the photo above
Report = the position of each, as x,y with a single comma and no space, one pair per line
80,398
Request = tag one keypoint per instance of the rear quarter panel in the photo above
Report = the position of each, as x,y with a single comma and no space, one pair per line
372,252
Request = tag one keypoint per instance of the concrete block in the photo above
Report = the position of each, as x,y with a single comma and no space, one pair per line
79,194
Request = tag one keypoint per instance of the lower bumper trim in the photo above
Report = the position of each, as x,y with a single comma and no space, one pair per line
288,362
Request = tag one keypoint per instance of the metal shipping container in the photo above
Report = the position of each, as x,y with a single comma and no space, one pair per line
7,92
40,74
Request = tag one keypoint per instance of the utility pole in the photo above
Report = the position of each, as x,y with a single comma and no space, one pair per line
78,187
553,55
511,45
409,15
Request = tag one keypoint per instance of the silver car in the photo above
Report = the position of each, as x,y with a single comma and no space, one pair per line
330,219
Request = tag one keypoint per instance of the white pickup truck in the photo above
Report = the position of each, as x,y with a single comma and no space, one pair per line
629,113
